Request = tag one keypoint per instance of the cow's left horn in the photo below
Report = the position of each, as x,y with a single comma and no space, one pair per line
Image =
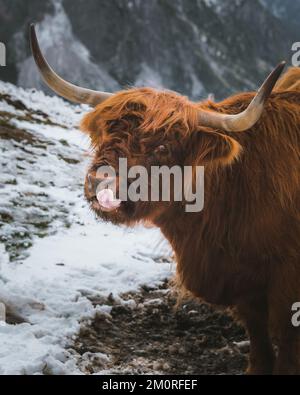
57,84
248,118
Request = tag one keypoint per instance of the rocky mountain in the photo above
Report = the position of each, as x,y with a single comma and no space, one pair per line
192,46
288,11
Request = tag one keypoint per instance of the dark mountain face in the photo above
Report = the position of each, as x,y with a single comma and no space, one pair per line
195,46
14,18
188,43
288,11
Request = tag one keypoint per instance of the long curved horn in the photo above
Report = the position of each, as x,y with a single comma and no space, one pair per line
248,118
57,84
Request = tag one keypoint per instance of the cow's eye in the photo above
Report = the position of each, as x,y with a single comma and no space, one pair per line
161,149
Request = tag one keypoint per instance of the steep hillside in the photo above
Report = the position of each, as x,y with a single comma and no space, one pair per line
195,47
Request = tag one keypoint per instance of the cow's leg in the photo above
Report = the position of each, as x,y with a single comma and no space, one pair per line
288,360
254,314
284,292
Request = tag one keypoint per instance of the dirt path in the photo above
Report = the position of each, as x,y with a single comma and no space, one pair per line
150,335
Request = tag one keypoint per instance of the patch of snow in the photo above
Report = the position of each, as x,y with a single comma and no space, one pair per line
149,77
51,289
58,110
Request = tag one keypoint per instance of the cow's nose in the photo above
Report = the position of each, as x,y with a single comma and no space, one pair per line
100,181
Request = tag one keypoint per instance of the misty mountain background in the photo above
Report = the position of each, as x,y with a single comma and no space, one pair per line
195,47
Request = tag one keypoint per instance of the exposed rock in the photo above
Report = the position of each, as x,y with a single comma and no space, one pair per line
195,46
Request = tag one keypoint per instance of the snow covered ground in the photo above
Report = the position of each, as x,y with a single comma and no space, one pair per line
54,256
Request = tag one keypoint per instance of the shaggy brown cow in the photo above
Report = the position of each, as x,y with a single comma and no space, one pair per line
243,249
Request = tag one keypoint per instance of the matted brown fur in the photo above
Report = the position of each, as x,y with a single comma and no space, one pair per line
243,249
290,81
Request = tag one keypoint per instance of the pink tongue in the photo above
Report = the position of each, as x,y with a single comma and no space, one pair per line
107,201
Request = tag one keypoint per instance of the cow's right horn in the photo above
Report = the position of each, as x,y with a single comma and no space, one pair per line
248,118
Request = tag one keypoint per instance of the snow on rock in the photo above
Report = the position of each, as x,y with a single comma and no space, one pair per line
70,54
54,255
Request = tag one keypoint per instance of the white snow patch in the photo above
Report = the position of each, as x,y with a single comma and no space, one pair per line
52,287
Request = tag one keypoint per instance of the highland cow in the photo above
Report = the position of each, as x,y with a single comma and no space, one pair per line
243,249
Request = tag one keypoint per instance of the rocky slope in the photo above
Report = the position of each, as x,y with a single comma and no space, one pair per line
195,47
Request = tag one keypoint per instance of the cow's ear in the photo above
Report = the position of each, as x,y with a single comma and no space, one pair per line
216,147
89,123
